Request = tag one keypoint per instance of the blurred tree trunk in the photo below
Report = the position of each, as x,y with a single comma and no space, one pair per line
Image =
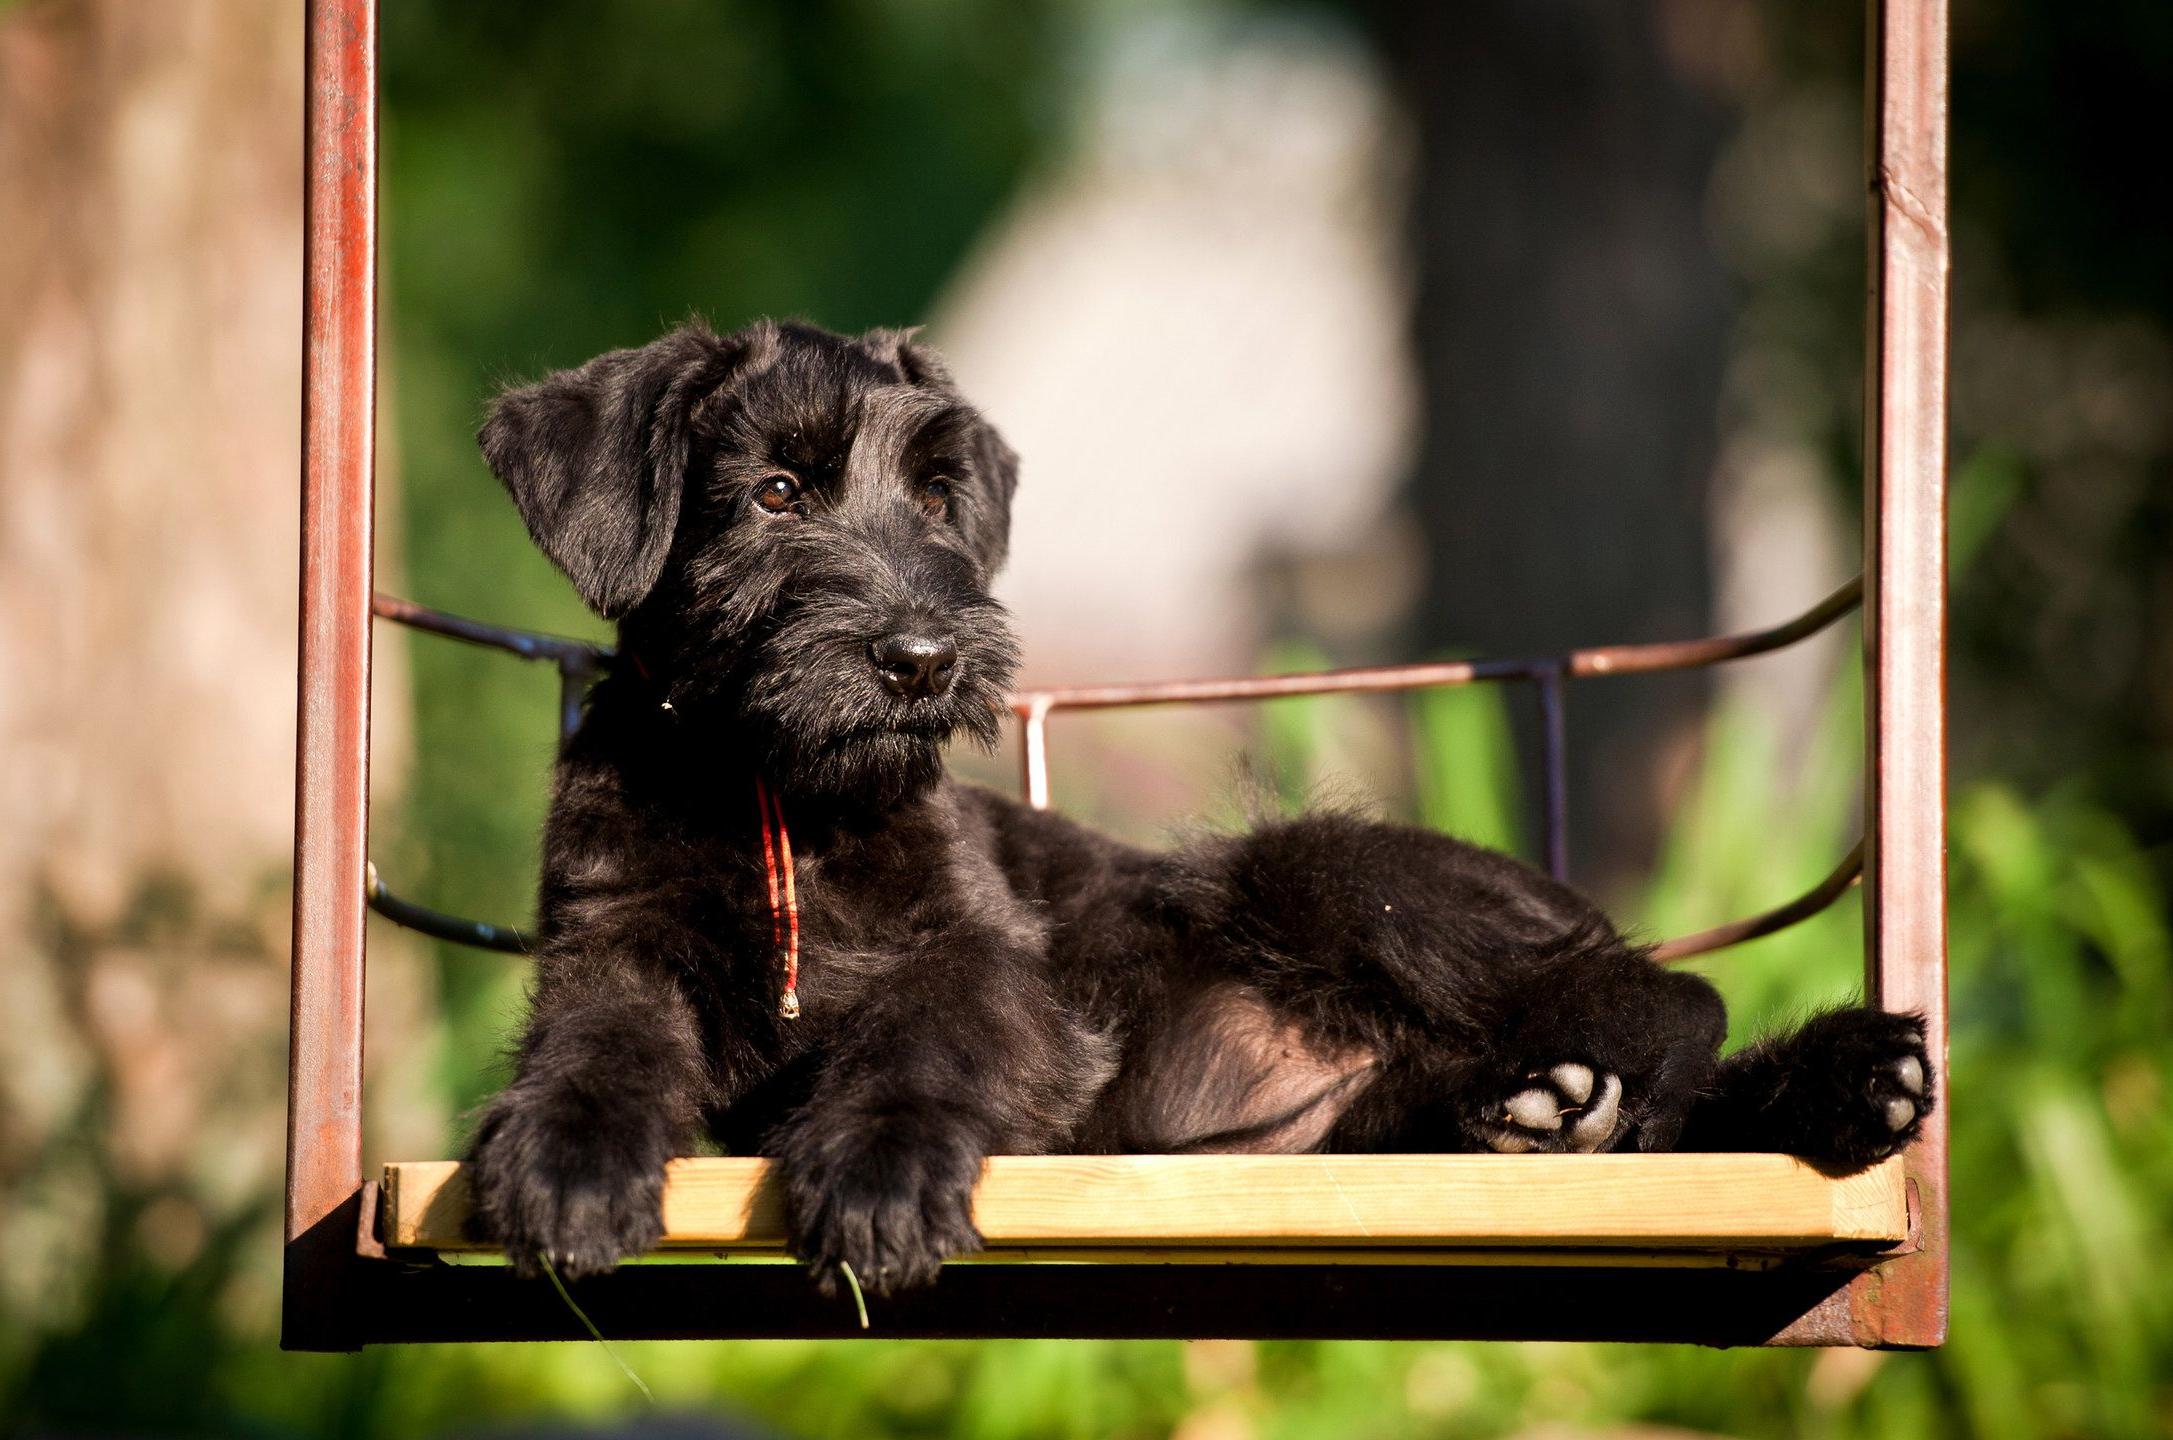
150,317
150,314
1570,325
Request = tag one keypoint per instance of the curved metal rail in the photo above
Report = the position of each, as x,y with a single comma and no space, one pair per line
579,662
1843,878
477,934
1577,664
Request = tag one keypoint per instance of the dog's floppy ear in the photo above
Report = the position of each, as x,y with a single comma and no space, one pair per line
989,522
596,460
999,464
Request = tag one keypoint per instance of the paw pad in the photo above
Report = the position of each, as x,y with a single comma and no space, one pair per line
1566,1107
1902,1111
1849,1089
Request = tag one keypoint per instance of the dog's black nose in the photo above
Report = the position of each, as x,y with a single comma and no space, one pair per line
913,664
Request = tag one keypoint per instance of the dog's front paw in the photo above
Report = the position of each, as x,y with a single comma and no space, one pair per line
1860,1083
892,1198
583,1191
1568,1107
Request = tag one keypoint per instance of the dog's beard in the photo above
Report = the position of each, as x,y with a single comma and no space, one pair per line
826,725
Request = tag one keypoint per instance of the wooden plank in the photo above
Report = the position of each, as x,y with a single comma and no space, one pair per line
1649,1203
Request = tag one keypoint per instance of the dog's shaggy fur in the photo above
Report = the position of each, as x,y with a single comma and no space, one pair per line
795,532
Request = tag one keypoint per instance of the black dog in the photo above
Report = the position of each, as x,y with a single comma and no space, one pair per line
796,532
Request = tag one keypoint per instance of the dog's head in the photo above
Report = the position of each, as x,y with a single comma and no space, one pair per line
796,532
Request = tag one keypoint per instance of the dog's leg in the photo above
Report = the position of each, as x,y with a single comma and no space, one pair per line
568,1161
1844,1091
1597,1050
967,1055
1601,1050
1506,1012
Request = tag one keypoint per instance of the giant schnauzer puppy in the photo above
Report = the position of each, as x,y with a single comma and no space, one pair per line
767,914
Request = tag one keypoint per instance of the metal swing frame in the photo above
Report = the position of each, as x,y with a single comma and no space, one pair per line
344,1288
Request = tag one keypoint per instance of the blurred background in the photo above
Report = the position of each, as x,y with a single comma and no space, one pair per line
1330,333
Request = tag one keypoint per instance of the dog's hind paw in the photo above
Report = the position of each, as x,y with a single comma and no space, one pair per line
1864,1082
1847,1089
1564,1108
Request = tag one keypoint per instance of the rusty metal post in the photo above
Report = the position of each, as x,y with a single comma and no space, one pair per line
1034,751
332,728
1904,1303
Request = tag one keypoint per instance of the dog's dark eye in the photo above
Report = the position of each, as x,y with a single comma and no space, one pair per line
936,496
778,494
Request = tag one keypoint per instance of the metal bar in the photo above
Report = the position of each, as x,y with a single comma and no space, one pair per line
528,644
439,925
1553,772
1803,907
1358,680
1034,753
1696,654
1604,660
332,726
1600,660
1905,544
1822,896
577,661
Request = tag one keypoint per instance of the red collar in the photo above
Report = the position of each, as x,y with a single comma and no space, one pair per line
784,899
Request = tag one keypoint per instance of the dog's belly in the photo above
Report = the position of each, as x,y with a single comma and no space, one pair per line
1228,1074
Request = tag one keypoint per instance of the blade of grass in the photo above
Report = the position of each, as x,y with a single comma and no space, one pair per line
860,1301
551,1272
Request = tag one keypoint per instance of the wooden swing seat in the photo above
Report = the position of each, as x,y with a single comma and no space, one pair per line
1284,1209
